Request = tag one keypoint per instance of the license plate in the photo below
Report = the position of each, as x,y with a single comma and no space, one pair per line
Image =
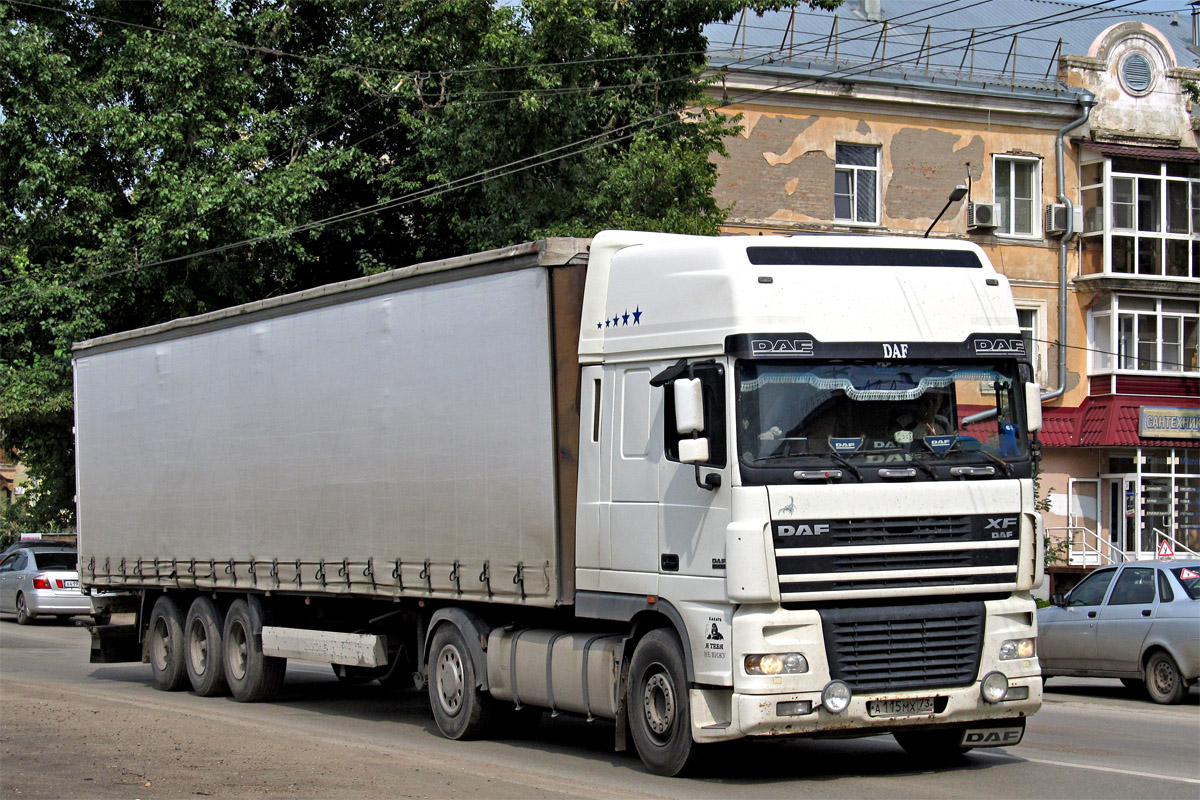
908,707
70,584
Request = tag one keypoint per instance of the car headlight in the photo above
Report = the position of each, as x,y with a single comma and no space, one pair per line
1016,648
776,664
993,687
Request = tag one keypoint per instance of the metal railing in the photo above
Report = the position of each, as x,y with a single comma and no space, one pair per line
1181,550
1086,548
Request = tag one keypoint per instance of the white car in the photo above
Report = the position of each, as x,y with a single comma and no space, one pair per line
38,580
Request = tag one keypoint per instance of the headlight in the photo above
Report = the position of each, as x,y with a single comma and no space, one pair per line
776,664
1016,648
993,687
835,697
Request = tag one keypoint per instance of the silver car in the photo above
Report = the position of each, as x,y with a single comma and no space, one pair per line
40,580
1139,622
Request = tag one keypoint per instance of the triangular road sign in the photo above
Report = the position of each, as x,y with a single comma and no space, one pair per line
1165,550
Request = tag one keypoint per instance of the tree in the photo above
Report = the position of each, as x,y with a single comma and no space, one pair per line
167,158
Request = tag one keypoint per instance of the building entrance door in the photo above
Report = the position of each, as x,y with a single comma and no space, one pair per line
1120,512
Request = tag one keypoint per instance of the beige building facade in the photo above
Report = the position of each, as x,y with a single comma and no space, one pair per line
1076,142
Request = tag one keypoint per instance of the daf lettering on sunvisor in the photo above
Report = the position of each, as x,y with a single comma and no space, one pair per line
895,351
819,529
1000,346
795,347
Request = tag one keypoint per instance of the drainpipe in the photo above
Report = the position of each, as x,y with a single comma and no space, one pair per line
1088,100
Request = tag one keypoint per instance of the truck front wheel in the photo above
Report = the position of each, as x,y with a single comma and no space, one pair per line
251,676
659,708
460,708
165,645
204,653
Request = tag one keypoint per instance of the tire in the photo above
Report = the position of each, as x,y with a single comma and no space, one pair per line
460,708
250,676
164,645
934,747
659,707
24,617
1164,684
204,651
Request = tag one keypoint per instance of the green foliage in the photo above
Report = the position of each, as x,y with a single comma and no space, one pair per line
140,140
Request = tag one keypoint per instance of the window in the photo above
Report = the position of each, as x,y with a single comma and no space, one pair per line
855,184
1018,181
1031,317
1145,334
1135,587
1091,590
1141,218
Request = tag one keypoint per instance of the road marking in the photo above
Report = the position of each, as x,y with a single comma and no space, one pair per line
1093,768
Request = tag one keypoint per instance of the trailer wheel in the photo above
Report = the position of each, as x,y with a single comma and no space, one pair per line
938,746
460,708
251,676
1164,683
165,645
660,716
204,654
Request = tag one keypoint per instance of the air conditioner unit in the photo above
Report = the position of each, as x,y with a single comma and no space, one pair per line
983,215
1056,219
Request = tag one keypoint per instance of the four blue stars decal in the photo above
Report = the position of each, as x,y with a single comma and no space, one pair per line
622,320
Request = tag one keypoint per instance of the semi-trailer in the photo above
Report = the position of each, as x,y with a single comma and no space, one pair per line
705,487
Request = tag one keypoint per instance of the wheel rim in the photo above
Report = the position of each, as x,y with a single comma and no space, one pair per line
659,704
238,651
1163,677
451,680
22,609
198,647
160,644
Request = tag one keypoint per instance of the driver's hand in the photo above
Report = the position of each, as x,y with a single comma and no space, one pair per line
773,433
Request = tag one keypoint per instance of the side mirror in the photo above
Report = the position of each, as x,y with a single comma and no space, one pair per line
689,406
693,451
1033,406
1058,600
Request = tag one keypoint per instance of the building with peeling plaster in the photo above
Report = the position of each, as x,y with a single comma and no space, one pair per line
1073,130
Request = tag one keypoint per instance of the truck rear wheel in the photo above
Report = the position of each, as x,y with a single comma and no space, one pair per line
165,645
251,676
460,708
659,708
204,654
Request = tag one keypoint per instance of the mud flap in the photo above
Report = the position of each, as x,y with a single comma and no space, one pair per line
1002,735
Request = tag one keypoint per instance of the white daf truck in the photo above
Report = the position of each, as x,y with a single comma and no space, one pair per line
706,487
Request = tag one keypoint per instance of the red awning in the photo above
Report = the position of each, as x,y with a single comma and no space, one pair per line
1109,421
1185,154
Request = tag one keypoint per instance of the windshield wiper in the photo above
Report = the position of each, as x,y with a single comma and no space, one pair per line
853,469
928,470
1007,467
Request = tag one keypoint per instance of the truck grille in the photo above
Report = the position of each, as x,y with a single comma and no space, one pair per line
904,647
910,530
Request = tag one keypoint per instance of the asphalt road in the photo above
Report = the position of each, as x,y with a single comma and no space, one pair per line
72,729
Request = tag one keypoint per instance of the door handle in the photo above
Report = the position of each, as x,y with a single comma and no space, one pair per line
1146,612
1091,615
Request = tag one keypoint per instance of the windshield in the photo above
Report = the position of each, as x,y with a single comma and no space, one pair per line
820,414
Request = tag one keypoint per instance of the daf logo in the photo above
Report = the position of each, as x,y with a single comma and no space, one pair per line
1001,346
992,738
816,529
1001,527
793,347
895,350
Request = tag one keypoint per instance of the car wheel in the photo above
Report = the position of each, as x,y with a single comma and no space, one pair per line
24,617
204,650
252,677
938,746
164,641
460,708
1163,681
659,708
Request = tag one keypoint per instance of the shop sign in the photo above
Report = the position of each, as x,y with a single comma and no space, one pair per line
1169,423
